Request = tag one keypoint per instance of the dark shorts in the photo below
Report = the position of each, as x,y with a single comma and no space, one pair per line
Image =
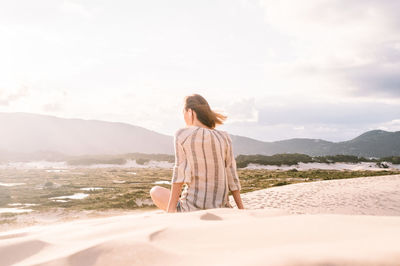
178,206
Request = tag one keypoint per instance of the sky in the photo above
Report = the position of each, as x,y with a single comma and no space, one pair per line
278,69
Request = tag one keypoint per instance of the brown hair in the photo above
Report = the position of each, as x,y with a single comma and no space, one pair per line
203,111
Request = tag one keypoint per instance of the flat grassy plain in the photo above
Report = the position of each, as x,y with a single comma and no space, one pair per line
127,188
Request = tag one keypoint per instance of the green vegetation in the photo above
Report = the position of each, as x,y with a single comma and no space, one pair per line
341,159
393,159
277,159
294,158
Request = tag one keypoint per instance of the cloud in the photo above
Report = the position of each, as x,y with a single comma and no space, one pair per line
52,107
72,7
334,121
242,110
287,131
8,98
346,114
352,43
381,80
393,125
379,77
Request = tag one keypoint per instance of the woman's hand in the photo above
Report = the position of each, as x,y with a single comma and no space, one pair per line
238,199
171,210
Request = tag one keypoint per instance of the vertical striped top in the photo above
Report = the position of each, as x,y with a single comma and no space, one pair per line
204,161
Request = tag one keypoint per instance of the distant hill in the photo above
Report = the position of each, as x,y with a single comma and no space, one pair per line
25,136
375,143
244,145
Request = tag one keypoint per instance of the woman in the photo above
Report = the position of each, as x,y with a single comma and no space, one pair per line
204,161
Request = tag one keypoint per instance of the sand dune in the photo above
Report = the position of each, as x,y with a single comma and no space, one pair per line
375,195
269,234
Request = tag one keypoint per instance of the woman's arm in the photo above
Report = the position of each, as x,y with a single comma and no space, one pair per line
238,199
181,173
232,175
176,189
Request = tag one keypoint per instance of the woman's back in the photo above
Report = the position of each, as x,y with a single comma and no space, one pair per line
204,160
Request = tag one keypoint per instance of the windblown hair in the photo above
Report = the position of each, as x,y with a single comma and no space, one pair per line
203,111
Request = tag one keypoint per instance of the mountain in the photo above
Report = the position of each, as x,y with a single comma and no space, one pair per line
375,143
25,136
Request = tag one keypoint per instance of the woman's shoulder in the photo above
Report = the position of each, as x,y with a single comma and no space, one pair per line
183,133
181,130
225,134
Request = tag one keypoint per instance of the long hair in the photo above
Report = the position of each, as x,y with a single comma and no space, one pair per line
203,111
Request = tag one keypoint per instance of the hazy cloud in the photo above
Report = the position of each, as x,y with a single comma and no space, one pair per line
353,42
329,113
52,107
393,125
8,98
73,7
330,121
242,110
379,80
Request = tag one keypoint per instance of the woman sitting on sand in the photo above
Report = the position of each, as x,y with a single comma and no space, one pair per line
204,161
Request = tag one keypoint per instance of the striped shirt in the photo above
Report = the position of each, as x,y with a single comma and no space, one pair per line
204,161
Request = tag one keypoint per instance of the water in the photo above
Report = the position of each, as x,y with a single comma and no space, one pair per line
74,196
162,182
56,170
11,184
14,210
60,200
91,188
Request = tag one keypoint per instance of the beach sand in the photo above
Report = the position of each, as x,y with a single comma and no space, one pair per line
339,222
375,195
